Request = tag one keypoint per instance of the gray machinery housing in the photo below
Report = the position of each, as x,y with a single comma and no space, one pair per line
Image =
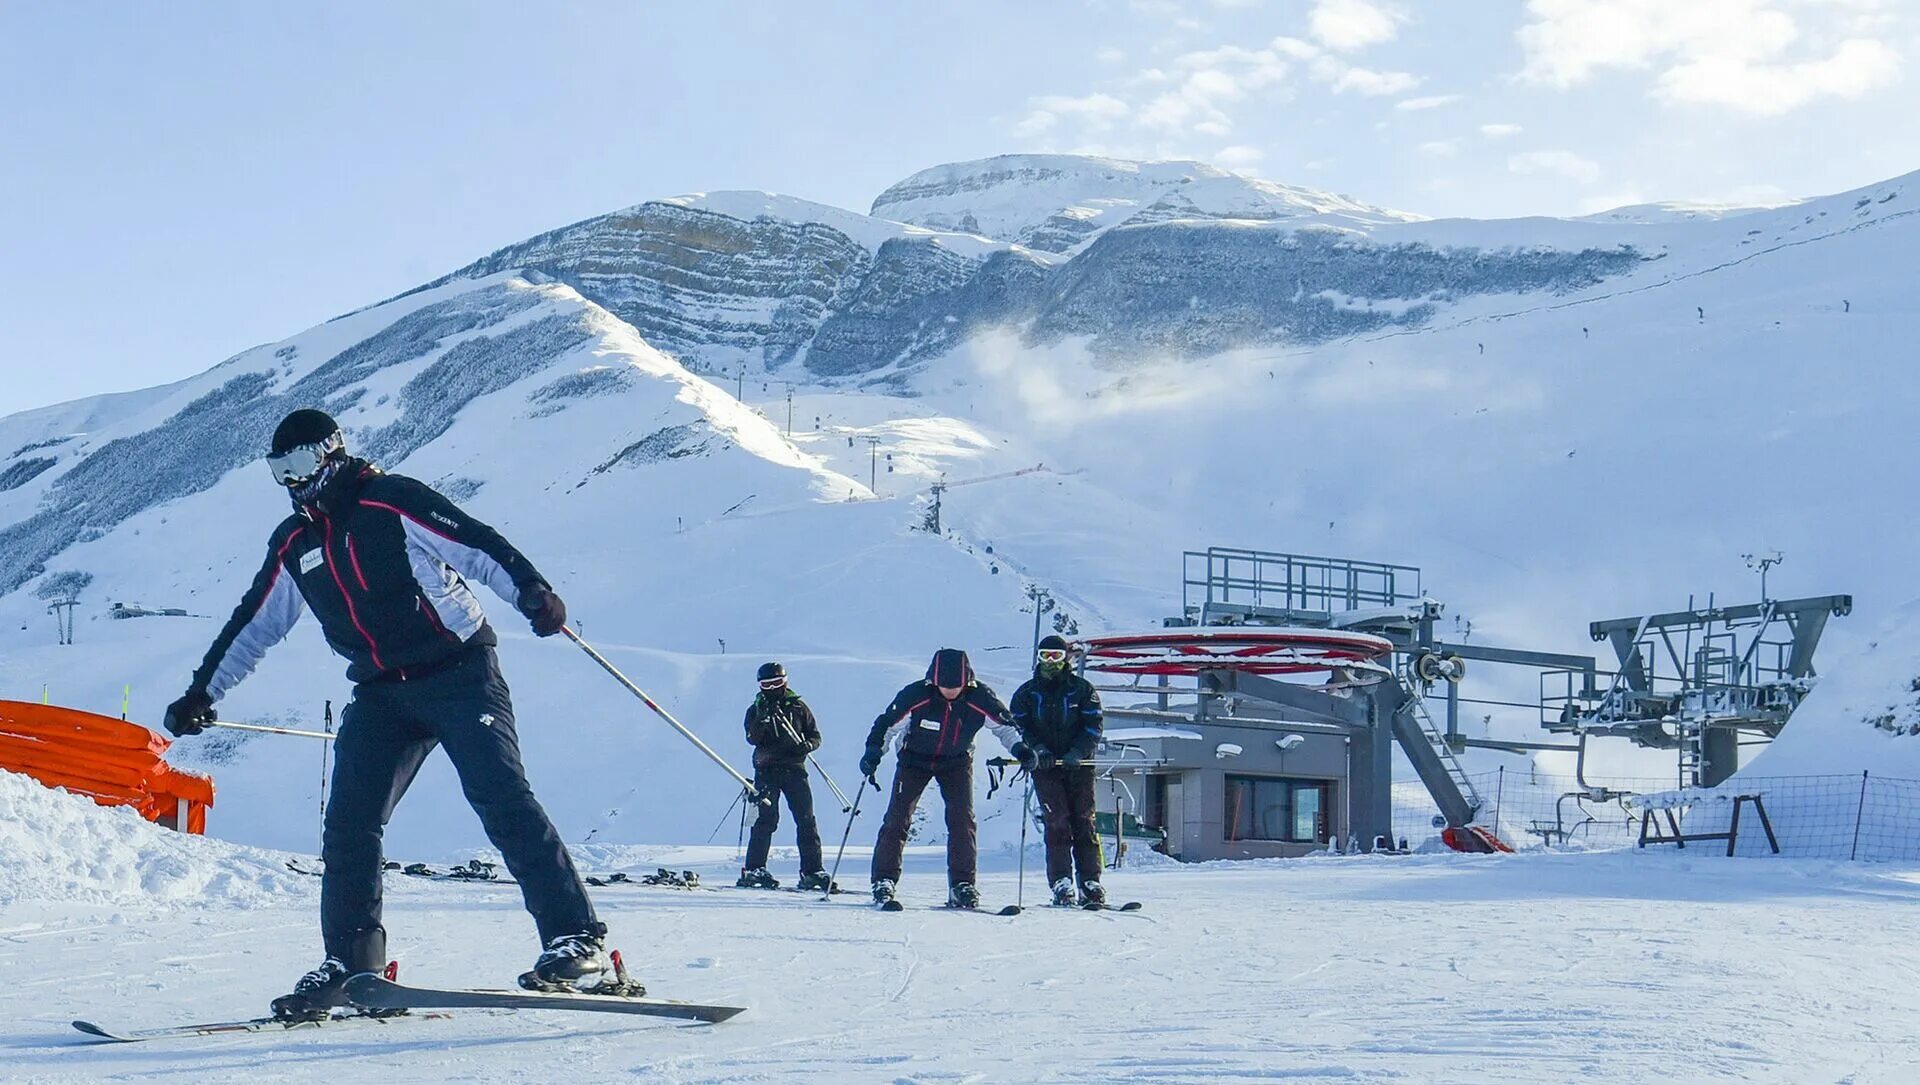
1188,756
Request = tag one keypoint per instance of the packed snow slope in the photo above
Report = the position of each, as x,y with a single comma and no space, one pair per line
1559,420
1551,968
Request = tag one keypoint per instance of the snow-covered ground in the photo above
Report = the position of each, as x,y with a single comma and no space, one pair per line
1625,967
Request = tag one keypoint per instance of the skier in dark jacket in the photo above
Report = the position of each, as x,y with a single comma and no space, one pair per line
384,561
1060,721
783,732
934,722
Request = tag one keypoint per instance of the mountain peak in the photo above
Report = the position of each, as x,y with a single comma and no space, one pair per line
1060,202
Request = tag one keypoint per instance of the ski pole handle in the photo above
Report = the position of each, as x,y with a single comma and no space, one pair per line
272,730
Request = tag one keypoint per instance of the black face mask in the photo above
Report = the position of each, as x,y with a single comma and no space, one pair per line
308,492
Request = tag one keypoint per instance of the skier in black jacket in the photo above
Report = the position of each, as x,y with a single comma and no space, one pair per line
1060,721
383,561
783,732
934,722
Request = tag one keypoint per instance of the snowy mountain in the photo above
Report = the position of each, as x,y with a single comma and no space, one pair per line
1058,203
1560,420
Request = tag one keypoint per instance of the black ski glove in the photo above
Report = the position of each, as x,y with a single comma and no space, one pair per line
543,609
870,762
1024,754
1071,759
189,715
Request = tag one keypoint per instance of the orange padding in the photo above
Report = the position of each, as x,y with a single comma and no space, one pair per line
112,762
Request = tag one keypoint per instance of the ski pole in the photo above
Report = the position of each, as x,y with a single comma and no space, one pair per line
833,877
271,730
787,730
663,714
837,793
725,816
1026,815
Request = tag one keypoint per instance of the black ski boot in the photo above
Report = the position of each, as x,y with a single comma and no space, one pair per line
963,895
1093,895
816,882
756,878
570,962
1063,894
315,995
883,892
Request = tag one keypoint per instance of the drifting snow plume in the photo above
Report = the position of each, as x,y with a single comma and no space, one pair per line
61,847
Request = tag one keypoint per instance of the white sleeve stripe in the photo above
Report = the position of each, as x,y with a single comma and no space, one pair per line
269,626
470,562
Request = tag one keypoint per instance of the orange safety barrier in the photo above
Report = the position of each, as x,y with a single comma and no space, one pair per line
112,762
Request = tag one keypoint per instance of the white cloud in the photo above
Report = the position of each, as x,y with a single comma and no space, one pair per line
1094,112
1434,101
1294,48
1348,25
1556,163
1857,66
1343,77
1213,79
1731,53
1441,148
1499,131
1238,156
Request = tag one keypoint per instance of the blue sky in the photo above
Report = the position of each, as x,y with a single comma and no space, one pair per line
181,181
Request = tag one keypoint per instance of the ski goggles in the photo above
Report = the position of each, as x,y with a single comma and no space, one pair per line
772,683
301,462
1053,655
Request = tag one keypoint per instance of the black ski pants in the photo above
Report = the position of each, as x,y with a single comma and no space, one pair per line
788,779
1066,806
956,791
386,732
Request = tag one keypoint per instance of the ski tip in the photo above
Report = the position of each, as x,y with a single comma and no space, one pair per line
92,1029
1011,909
893,906
1130,906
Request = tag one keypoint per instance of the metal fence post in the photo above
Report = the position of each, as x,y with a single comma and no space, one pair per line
1857,814
1499,788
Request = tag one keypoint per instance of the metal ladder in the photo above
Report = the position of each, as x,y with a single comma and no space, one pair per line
1443,750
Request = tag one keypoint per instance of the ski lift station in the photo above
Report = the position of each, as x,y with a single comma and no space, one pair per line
1262,720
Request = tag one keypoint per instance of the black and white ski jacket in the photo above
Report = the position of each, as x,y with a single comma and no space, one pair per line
383,561
934,733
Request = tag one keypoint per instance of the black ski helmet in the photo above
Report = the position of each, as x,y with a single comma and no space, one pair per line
306,426
1053,640
771,671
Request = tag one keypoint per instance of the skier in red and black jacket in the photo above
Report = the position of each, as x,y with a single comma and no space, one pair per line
934,722
384,562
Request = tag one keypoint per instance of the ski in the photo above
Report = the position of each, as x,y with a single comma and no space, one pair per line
892,906
1130,906
367,989
257,1024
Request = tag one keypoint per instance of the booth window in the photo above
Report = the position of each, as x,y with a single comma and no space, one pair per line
1277,809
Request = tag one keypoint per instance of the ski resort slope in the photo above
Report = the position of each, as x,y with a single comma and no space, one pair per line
1629,967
